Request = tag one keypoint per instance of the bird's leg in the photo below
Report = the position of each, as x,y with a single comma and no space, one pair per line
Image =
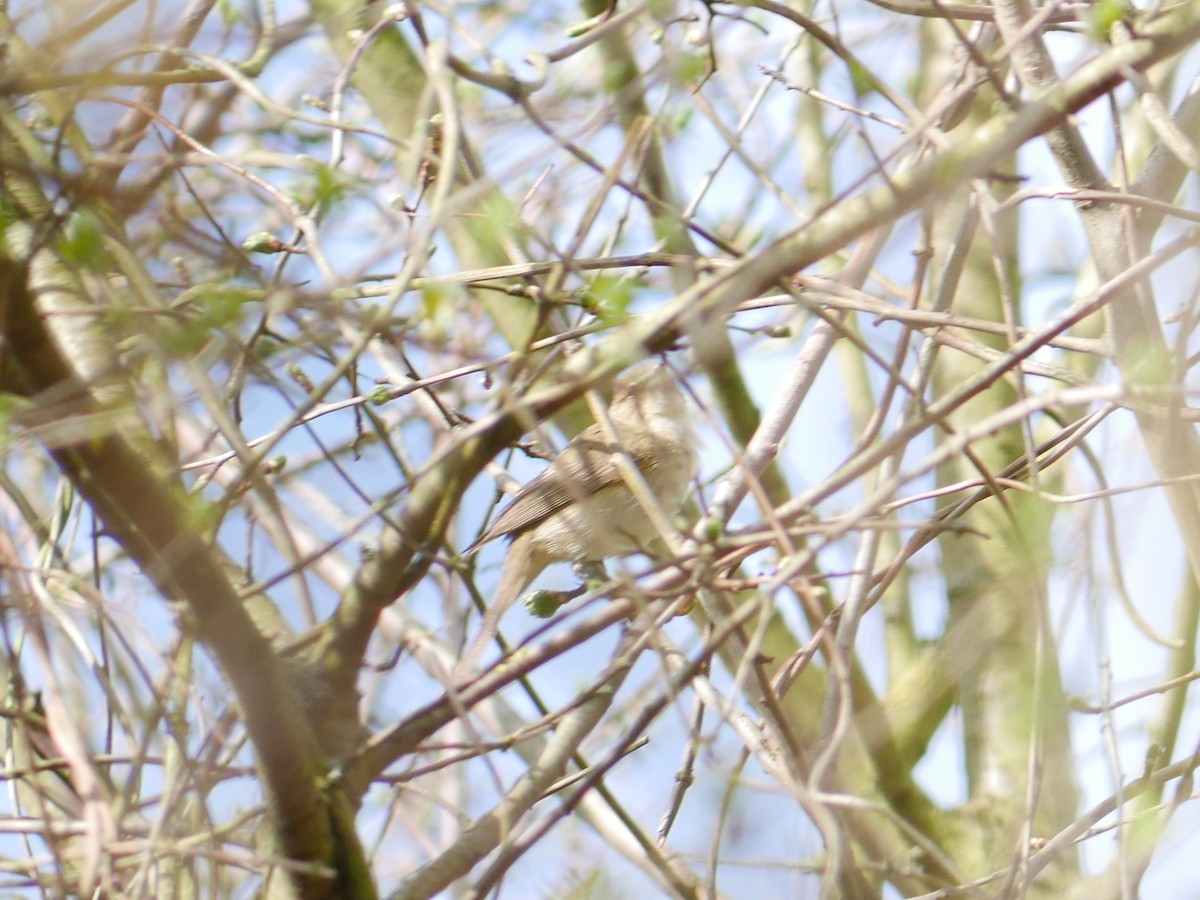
591,570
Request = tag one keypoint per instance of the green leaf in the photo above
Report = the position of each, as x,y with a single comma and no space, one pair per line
1102,16
330,187
213,307
864,82
82,243
608,298
380,395
543,603
262,242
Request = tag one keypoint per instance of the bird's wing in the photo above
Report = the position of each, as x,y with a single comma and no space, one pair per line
582,469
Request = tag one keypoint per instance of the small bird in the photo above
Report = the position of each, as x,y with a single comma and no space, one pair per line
580,509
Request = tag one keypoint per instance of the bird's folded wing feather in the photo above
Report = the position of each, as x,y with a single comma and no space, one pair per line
582,469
